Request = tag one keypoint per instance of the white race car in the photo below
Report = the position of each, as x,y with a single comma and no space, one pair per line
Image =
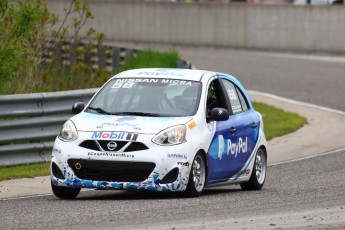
161,130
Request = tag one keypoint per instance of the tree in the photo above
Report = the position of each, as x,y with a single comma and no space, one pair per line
26,27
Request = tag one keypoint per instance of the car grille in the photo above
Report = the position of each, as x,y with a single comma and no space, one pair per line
102,145
119,171
119,145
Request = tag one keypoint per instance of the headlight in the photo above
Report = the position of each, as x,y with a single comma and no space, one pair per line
171,136
68,132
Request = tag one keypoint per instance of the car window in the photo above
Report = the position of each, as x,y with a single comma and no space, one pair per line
243,101
237,101
163,97
214,97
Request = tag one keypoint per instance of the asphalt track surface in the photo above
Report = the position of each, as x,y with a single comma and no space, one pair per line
313,79
306,194
303,194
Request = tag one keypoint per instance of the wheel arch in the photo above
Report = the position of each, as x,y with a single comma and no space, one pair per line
263,147
204,154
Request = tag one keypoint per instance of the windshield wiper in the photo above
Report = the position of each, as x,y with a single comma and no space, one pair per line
99,110
138,114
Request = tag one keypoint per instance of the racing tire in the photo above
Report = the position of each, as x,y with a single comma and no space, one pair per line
258,177
197,176
65,192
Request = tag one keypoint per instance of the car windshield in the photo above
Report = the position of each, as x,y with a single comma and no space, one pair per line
147,97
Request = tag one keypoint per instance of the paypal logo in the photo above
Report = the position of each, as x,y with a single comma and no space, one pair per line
226,146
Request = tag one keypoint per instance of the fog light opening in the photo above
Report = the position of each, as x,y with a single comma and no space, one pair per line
57,172
170,176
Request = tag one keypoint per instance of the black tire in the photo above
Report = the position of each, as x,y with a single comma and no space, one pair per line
197,176
65,192
258,177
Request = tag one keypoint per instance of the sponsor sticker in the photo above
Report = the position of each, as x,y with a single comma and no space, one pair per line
177,156
231,147
183,163
114,135
232,94
166,73
106,154
236,108
131,82
243,171
191,125
109,124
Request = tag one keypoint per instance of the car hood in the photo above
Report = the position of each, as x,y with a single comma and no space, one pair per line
89,122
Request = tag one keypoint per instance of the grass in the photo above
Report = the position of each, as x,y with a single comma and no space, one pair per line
276,123
151,59
24,171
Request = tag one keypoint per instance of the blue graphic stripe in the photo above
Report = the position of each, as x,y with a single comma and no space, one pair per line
251,158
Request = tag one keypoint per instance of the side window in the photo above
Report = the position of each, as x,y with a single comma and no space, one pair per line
214,96
237,101
244,102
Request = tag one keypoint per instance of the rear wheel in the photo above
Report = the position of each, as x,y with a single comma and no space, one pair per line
65,192
257,179
197,176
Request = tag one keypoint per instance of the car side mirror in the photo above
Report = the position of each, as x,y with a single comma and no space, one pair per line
78,107
219,114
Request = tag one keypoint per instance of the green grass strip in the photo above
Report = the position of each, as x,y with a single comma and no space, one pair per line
151,59
24,171
278,122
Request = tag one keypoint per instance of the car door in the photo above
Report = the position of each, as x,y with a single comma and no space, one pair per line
235,138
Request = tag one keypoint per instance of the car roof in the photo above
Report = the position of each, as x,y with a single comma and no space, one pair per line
171,73
175,73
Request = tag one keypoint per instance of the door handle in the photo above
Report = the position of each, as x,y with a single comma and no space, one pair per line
254,125
233,130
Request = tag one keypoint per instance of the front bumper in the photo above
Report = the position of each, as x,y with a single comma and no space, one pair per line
167,168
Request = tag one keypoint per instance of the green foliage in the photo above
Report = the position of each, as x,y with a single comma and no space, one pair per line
28,31
278,122
151,59
16,22
26,27
80,76
24,171
54,77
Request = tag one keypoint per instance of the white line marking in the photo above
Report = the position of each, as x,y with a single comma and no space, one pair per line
333,59
309,157
41,195
297,102
23,197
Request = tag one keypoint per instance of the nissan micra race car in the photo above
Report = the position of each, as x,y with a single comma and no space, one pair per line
161,130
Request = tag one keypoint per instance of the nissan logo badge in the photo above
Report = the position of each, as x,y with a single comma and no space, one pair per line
111,145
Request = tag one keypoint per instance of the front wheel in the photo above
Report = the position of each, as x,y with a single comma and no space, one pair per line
257,179
65,192
197,176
